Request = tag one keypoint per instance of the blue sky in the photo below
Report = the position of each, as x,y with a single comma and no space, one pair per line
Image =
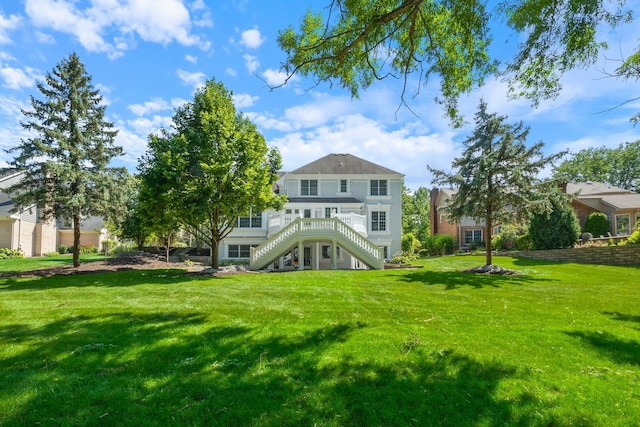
148,56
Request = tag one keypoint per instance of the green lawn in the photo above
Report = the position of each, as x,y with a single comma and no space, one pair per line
558,345
35,263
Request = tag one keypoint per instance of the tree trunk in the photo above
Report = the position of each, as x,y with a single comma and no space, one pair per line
487,243
214,253
76,239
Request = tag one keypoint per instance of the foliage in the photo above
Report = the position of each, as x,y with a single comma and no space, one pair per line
63,249
619,167
136,222
507,237
440,244
108,245
355,43
88,249
634,238
51,254
402,259
410,244
213,167
556,230
66,158
496,178
597,224
416,213
6,253
524,242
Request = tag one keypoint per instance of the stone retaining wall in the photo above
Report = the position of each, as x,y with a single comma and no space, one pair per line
627,255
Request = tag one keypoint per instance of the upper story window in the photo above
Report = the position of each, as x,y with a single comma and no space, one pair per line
378,221
379,187
343,186
253,220
309,187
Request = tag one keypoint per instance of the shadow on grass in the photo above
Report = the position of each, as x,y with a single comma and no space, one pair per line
175,369
617,349
110,278
615,315
456,279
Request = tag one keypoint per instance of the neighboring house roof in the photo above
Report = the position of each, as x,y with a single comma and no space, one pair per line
343,164
592,188
615,201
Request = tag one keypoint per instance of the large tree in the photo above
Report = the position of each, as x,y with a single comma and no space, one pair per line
213,166
66,158
355,43
496,177
619,166
415,213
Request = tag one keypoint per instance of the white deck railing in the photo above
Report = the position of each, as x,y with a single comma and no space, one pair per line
279,221
302,228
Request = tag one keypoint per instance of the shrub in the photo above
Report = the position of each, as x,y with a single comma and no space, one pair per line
506,238
410,244
524,242
52,254
597,224
556,230
108,246
401,259
6,253
63,249
445,244
634,238
88,249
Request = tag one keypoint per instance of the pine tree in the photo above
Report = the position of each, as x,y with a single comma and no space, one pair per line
66,161
497,176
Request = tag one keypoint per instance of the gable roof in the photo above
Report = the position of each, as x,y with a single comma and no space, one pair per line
343,164
590,188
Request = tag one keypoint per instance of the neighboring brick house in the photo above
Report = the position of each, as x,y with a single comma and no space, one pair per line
342,212
28,232
622,208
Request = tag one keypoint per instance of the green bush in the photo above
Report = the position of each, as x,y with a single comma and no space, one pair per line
63,249
524,243
402,259
597,224
108,246
88,249
446,244
556,230
410,244
506,238
6,253
52,254
634,238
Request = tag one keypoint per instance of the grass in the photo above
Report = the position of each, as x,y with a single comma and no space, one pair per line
557,345
35,263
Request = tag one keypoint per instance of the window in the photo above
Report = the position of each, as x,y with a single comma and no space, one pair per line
622,224
472,236
240,251
309,187
378,221
385,252
343,185
253,220
378,187
326,252
329,211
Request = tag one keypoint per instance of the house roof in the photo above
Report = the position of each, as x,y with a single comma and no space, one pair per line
622,201
592,188
343,164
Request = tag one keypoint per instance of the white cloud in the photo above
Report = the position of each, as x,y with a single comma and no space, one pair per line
156,22
230,71
244,100
197,79
276,77
16,78
251,62
7,24
191,58
155,105
252,39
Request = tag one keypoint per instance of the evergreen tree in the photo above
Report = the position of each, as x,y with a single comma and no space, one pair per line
497,176
66,161
557,229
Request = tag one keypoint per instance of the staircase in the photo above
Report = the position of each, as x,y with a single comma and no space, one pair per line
309,229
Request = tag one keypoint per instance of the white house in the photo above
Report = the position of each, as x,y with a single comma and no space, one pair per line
342,212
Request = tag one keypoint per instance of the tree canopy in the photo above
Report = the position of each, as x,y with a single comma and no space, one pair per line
212,167
66,160
619,166
354,43
496,178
